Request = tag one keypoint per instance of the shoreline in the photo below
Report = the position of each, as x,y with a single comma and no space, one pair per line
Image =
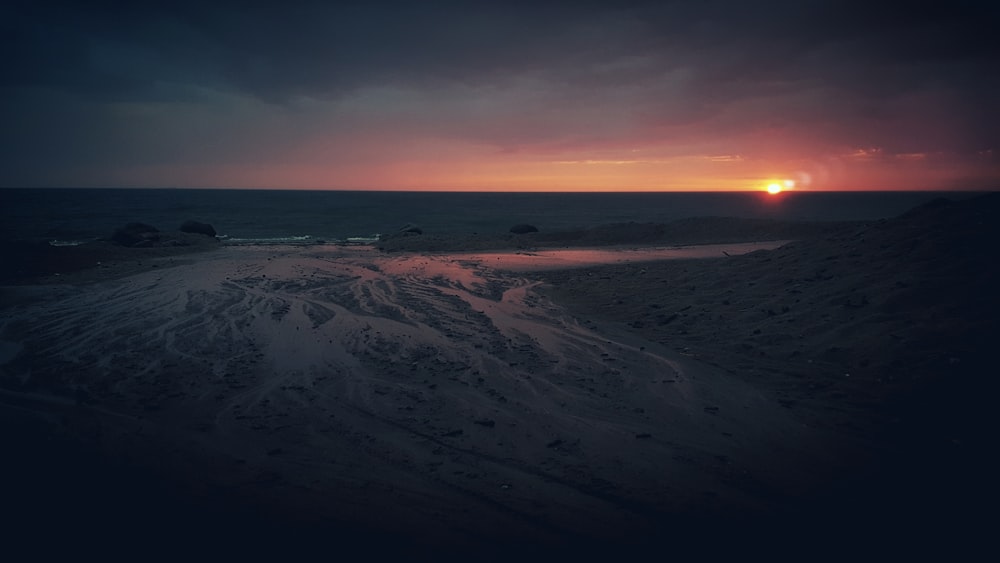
40,262
441,400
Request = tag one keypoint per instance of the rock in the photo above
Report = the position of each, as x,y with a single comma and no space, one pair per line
136,234
406,231
523,229
409,229
199,228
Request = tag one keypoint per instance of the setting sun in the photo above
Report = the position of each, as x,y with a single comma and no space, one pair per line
774,188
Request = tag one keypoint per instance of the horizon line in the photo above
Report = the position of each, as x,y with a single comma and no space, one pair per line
507,191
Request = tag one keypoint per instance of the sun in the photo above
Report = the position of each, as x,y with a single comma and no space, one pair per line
774,188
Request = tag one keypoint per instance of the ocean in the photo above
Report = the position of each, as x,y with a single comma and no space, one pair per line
74,215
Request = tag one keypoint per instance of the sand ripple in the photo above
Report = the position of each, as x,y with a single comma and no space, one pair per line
408,393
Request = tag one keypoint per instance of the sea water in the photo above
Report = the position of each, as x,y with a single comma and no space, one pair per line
67,216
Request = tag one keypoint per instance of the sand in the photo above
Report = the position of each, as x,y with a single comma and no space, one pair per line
450,401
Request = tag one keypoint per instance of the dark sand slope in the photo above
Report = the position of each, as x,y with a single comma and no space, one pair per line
439,401
885,333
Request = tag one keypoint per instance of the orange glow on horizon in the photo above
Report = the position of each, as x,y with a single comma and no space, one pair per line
448,166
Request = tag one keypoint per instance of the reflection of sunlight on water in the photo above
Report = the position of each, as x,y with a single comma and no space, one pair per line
570,258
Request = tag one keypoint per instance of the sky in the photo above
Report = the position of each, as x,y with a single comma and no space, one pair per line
550,96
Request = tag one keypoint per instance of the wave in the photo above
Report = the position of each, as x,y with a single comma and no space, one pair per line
58,242
296,240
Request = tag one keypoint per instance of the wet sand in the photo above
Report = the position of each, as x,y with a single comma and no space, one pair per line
461,400
563,258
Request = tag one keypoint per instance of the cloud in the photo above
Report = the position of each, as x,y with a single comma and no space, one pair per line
320,49
110,82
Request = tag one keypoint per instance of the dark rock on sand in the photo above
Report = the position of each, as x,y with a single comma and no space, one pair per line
409,229
199,228
136,234
523,229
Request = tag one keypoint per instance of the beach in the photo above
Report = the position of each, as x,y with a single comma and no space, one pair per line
536,396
